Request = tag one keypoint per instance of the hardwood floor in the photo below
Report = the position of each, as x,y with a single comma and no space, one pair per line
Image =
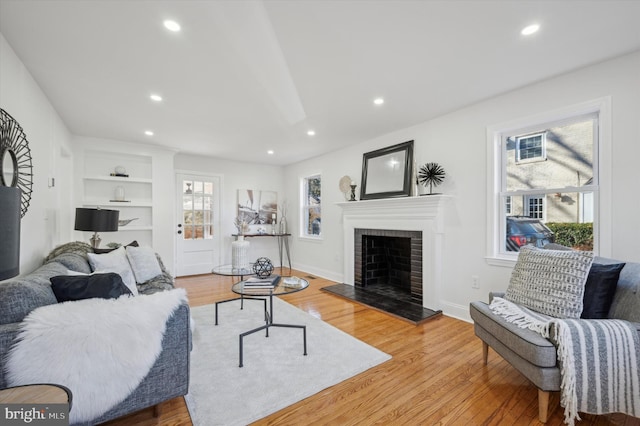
435,377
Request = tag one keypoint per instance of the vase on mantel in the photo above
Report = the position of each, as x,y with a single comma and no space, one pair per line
240,253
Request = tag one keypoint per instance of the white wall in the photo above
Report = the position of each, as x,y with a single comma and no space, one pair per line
237,175
458,142
47,222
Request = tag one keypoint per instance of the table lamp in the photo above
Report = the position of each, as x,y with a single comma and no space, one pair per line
9,231
96,220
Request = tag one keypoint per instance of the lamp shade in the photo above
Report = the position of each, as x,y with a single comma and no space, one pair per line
96,220
9,231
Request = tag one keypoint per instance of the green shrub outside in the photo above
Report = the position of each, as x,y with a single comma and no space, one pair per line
576,235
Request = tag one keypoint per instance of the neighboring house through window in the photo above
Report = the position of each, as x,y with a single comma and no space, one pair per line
546,168
311,211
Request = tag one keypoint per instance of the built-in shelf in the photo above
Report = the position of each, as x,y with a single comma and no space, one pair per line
119,179
134,228
130,203
99,189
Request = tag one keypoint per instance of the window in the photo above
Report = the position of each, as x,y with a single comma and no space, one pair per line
530,147
545,185
197,210
311,222
535,206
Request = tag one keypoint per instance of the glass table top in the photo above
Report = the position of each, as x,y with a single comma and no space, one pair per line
231,271
286,285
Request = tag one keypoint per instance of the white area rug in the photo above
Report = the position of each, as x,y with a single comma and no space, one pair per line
275,374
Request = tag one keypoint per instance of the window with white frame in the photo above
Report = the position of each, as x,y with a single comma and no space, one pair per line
530,147
534,206
311,208
554,188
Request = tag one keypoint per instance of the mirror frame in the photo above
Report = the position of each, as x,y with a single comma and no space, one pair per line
14,162
402,189
13,141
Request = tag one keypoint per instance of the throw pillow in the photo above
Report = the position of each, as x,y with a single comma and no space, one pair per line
144,263
115,261
599,290
79,287
550,281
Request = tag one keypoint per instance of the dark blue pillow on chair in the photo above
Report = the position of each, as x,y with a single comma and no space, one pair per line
599,290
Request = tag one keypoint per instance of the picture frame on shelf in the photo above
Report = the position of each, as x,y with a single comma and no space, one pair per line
386,172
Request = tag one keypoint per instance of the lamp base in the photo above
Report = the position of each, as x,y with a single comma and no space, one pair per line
95,240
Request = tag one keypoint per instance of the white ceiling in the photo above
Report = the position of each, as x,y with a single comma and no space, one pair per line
243,77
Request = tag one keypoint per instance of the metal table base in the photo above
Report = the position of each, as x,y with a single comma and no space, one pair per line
268,319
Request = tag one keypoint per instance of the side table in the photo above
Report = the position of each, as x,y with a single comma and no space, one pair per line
52,402
283,243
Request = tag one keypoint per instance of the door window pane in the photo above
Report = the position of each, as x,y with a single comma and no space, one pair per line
197,208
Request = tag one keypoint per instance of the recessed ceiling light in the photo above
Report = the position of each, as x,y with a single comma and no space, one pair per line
171,25
378,101
530,29
311,132
148,132
270,152
156,98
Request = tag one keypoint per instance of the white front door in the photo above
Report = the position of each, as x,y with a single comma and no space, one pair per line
198,227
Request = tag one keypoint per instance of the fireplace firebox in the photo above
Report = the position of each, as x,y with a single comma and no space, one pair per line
389,262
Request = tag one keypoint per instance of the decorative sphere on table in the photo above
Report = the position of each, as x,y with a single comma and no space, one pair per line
263,267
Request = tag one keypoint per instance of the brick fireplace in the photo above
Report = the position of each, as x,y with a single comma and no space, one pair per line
419,219
390,261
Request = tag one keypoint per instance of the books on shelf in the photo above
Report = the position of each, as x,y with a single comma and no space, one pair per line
266,282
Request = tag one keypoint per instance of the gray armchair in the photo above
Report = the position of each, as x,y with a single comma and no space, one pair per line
534,356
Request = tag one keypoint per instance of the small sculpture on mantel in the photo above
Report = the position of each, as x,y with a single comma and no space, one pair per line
353,191
431,174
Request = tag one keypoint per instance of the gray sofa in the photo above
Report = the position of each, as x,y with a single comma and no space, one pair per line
169,376
534,356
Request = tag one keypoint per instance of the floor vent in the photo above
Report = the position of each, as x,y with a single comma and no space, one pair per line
310,277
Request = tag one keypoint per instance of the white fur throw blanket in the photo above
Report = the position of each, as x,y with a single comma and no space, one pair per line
100,349
599,360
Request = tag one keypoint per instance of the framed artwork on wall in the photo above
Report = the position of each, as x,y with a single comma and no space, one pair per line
386,172
257,208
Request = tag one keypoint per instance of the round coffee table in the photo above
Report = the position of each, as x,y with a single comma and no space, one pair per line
263,292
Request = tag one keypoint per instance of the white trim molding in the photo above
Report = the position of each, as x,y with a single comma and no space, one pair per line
602,168
425,214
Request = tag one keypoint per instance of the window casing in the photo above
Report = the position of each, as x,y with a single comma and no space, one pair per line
509,194
311,206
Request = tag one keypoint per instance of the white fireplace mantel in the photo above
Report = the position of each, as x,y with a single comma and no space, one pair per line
424,213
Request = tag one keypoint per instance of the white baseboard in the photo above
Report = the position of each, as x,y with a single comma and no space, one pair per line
322,273
457,311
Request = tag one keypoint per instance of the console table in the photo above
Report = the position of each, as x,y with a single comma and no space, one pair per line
283,241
